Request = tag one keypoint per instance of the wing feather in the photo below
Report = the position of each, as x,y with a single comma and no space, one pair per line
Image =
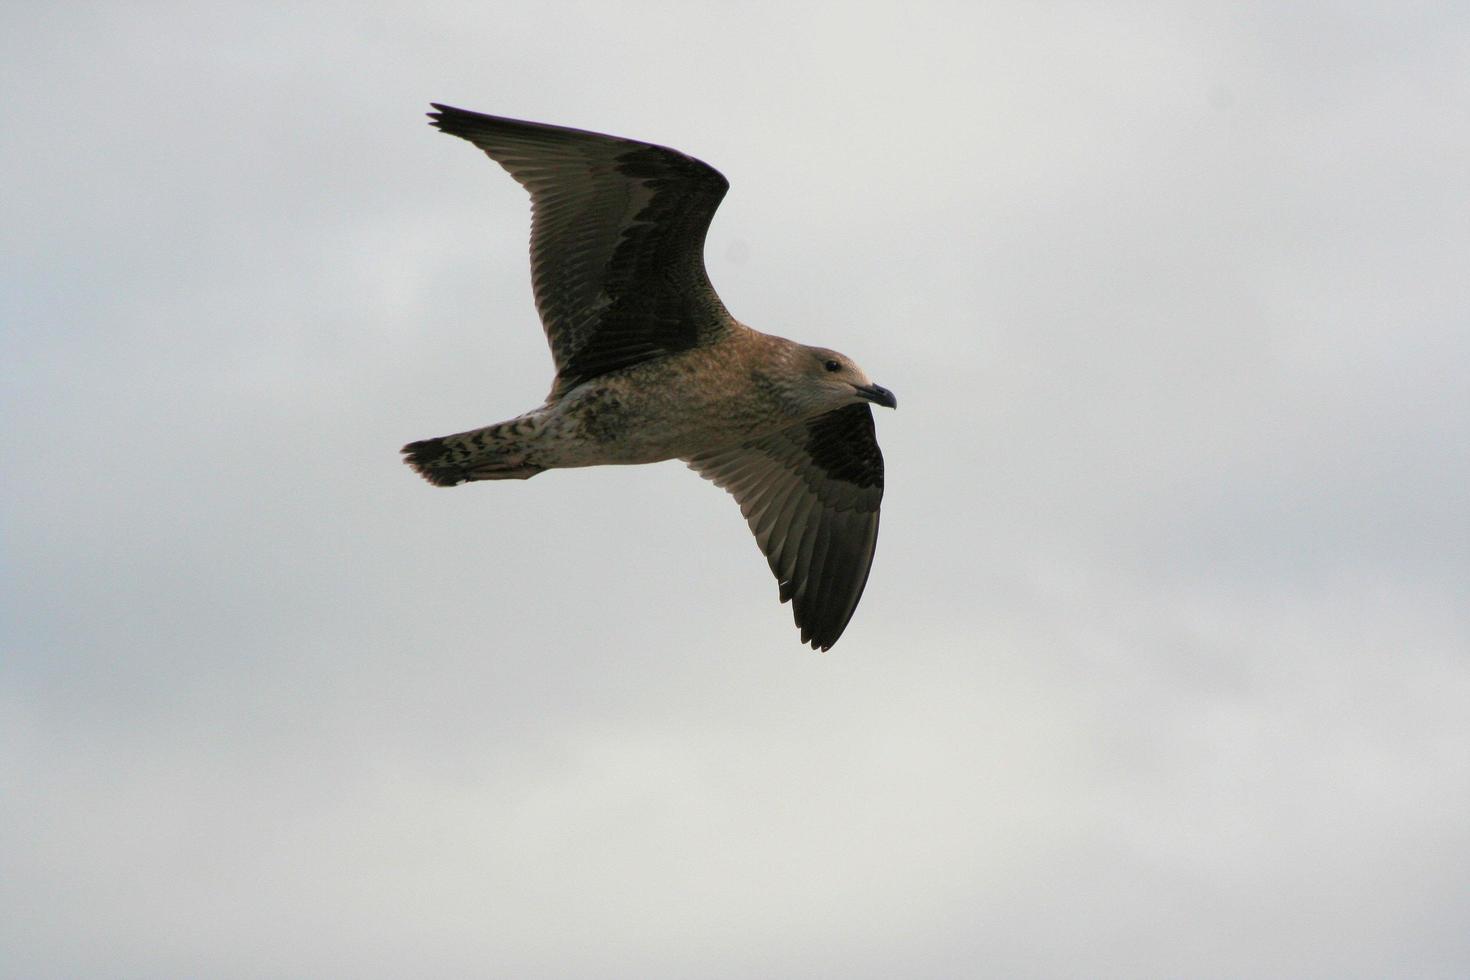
811,495
617,240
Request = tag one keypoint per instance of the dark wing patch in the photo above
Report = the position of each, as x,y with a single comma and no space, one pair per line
811,495
844,446
617,240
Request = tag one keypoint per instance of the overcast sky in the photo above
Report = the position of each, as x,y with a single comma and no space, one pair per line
1164,664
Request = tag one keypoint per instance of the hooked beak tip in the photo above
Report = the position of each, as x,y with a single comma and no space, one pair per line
878,395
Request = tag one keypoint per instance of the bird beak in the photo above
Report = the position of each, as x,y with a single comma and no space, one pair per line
878,395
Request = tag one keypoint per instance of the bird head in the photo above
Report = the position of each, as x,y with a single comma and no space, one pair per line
829,380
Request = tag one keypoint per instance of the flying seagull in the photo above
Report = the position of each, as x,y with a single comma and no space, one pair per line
650,366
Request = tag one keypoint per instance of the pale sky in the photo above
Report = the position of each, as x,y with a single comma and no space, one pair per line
1164,665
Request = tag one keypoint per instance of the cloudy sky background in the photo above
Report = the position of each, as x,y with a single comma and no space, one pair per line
1164,664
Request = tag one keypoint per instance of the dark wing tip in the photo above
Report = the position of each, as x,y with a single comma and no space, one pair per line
467,124
817,629
821,641
454,121
822,628
823,612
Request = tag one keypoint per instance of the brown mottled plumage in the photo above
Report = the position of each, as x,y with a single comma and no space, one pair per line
650,366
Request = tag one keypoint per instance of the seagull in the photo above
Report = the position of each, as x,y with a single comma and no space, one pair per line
650,366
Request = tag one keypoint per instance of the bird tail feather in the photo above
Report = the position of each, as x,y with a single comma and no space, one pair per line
496,452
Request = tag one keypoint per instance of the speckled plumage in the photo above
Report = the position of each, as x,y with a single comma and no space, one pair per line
650,366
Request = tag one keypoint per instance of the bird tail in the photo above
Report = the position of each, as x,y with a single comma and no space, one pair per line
496,452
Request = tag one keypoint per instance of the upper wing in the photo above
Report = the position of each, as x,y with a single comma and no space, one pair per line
617,240
811,494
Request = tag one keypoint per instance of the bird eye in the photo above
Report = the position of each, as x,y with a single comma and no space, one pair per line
833,365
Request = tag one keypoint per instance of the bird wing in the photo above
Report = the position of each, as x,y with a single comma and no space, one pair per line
617,240
810,494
